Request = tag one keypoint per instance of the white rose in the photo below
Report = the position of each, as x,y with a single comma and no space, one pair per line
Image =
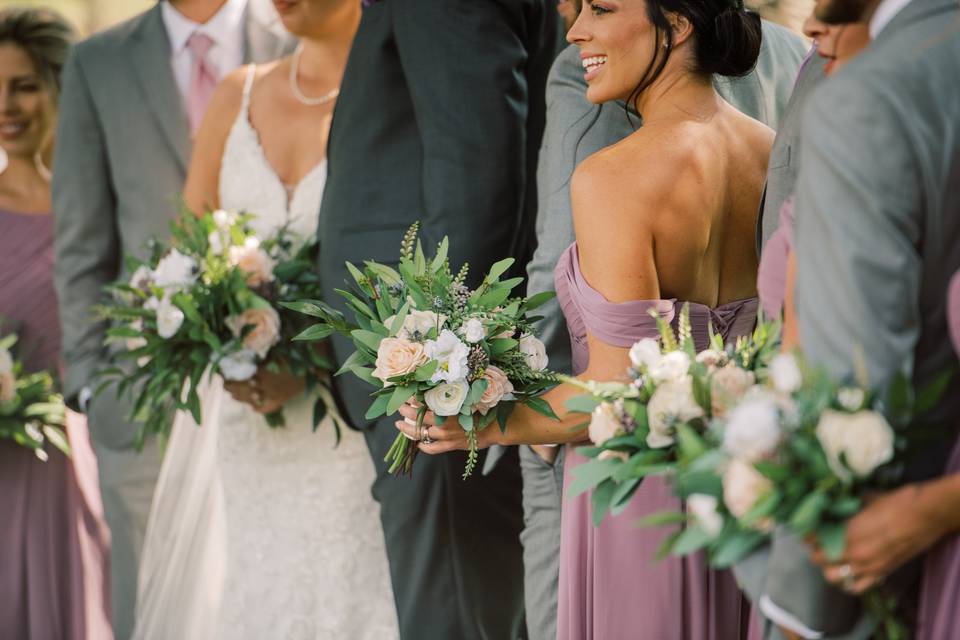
712,358
753,429
727,387
703,508
604,424
447,399
671,403
239,365
6,361
535,351
498,388
864,439
169,318
672,366
417,324
785,373
851,398
473,331
253,261
451,355
175,270
224,219
141,277
645,354
264,332
743,487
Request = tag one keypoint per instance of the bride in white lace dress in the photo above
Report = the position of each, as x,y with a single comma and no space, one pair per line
256,532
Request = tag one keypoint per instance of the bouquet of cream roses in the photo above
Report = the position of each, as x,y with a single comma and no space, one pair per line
672,395
420,333
800,452
211,300
31,412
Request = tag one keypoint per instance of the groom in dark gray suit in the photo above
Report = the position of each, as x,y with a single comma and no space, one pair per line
439,119
877,240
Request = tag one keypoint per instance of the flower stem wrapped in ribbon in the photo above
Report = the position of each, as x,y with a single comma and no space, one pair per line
421,334
211,301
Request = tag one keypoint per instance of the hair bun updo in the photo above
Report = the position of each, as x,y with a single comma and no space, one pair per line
731,47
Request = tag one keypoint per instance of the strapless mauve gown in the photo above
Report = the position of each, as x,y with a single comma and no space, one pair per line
611,586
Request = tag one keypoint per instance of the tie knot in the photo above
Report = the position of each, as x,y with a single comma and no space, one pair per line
199,44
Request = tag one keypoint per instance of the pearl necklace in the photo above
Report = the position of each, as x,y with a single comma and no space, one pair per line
295,87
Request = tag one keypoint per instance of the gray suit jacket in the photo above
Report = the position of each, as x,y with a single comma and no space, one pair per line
785,154
123,146
576,129
878,237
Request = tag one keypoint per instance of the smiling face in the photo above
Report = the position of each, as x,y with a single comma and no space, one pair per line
837,43
26,104
617,41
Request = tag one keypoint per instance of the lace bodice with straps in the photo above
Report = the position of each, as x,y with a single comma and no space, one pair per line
248,182
624,323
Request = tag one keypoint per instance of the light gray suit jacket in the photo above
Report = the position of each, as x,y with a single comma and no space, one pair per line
877,240
576,129
123,146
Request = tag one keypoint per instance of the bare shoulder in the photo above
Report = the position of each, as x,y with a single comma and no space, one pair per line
228,95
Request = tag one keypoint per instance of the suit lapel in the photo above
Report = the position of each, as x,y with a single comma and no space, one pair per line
150,57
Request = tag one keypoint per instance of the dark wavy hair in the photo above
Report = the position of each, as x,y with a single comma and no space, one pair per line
727,38
44,35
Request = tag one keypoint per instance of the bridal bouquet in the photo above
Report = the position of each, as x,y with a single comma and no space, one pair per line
211,300
672,396
421,334
31,412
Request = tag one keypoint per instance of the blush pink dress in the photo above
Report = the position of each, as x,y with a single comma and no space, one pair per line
611,586
53,539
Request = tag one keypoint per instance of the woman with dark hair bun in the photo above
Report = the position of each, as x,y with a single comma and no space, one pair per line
54,542
665,217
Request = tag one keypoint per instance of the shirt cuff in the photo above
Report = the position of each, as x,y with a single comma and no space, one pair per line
83,399
783,618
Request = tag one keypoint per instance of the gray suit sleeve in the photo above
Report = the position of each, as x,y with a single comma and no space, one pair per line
858,227
86,244
858,281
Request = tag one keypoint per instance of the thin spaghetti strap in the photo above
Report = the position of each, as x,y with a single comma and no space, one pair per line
247,87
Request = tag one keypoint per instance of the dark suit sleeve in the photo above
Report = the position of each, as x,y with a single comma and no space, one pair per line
86,242
464,62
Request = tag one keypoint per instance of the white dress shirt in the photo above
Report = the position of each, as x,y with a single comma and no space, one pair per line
886,11
225,28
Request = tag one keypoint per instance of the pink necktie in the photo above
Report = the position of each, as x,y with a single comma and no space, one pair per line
203,79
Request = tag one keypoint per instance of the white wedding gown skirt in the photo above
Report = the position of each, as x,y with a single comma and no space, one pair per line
263,533
258,533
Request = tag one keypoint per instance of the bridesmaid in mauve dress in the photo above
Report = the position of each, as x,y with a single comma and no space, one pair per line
667,215
675,597
53,540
